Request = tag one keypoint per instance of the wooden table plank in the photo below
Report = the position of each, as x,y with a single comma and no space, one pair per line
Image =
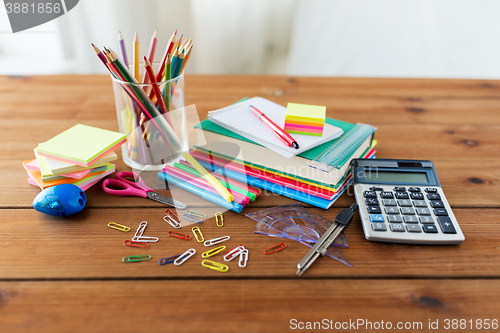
38,246
243,305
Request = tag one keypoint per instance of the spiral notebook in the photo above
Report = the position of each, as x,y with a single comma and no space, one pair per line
239,118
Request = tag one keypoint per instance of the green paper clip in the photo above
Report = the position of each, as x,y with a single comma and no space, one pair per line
136,258
194,213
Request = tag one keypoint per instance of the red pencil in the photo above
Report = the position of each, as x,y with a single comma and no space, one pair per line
168,49
154,84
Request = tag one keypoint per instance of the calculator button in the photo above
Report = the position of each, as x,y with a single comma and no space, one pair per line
423,211
430,228
379,227
446,225
413,189
402,195
387,195
437,204
413,228
391,210
389,202
404,203
419,203
433,196
399,188
410,219
376,189
407,211
394,218
374,210
440,212
431,190
397,227
371,202
417,196
370,194
376,218
426,220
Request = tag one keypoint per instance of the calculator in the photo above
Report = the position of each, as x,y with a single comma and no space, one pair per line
401,201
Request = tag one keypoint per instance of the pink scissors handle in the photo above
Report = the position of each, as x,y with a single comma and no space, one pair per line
138,182
126,188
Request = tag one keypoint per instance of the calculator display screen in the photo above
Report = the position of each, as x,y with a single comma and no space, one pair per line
373,175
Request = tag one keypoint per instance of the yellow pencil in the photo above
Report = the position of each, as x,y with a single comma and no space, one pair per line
136,56
209,178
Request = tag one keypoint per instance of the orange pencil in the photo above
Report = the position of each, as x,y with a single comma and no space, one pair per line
186,58
154,84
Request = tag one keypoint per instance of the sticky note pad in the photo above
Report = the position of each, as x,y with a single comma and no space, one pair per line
305,119
81,144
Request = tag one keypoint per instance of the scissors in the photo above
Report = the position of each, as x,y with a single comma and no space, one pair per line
136,188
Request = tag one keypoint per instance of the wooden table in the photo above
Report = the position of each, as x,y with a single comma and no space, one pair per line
66,275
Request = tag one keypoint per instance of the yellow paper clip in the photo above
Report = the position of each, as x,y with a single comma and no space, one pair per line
197,234
216,266
118,226
213,252
219,219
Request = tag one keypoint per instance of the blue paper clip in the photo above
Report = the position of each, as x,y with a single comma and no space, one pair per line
192,218
168,260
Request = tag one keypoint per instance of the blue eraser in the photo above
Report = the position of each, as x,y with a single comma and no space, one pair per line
60,200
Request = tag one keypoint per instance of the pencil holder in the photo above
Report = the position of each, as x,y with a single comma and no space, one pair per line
156,129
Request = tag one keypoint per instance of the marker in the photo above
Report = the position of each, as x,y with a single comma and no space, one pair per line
280,133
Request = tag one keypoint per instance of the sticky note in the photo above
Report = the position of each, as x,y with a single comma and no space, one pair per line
305,119
81,144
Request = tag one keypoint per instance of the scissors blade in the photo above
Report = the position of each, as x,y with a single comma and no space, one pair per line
166,200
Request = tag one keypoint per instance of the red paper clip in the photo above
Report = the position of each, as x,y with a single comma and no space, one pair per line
275,248
135,244
178,235
172,215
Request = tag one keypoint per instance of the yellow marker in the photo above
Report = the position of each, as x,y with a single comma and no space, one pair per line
209,178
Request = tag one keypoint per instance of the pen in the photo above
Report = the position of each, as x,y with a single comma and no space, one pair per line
280,133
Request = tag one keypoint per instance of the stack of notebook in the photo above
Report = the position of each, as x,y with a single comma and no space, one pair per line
79,156
240,147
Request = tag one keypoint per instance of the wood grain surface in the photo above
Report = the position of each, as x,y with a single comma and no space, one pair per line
66,275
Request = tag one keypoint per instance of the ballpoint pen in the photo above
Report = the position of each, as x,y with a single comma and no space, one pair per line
280,133
341,222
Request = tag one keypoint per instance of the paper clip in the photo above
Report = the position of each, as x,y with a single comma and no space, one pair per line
185,256
135,244
197,234
118,226
172,215
213,251
138,237
178,235
195,214
275,248
167,260
174,223
234,253
136,258
216,266
219,219
243,258
214,241
192,218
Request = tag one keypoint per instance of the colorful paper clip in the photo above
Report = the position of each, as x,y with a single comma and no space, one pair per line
136,258
138,237
275,248
197,234
233,253
172,222
219,219
195,214
216,266
135,244
243,258
118,227
168,260
213,252
172,215
185,256
178,235
214,241
191,218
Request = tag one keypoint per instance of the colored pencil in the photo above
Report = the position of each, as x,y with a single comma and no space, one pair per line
123,49
154,84
136,56
178,64
151,54
175,58
100,54
168,51
186,58
179,41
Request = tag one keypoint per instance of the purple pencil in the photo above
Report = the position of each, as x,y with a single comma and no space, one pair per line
122,47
